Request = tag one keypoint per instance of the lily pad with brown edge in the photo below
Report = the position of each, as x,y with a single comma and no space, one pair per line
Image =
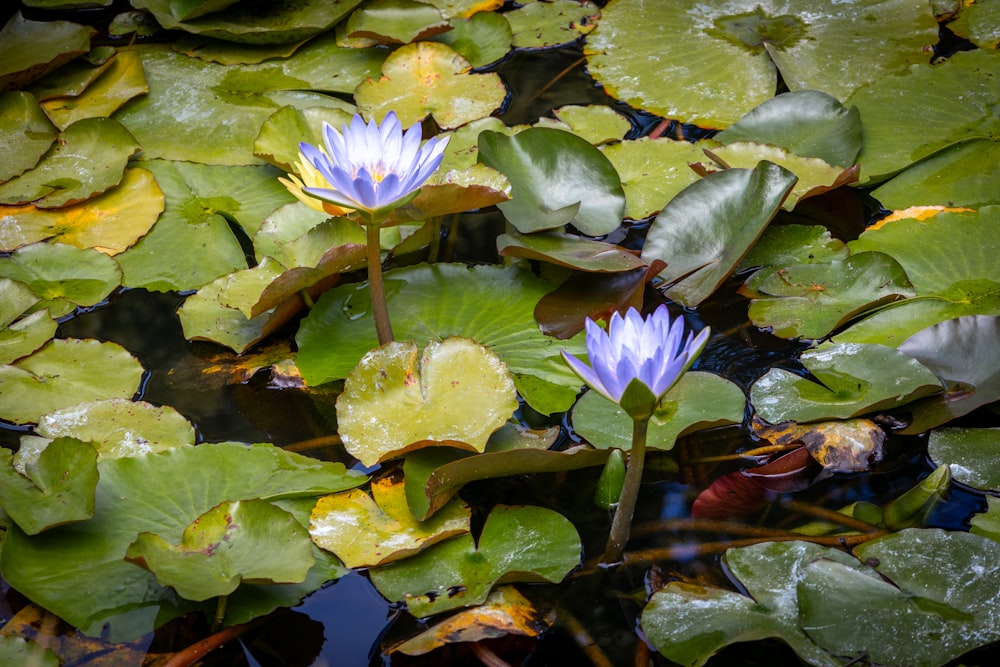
505,612
111,222
811,300
707,228
963,352
370,530
88,158
88,583
463,143
482,38
281,134
235,542
276,22
541,25
851,379
31,49
460,572
62,276
73,78
429,78
26,335
557,178
910,115
209,113
842,446
464,8
683,65
86,369
698,401
394,22
25,133
971,453
563,311
121,80
225,52
808,123
456,392
56,489
653,171
570,251
781,246
451,192
435,474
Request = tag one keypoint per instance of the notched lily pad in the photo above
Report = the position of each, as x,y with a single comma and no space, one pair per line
242,541
455,392
461,571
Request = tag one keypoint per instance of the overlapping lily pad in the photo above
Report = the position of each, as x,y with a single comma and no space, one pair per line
482,38
30,49
25,133
653,171
120,80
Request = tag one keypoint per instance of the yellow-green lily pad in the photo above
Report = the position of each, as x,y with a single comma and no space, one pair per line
120,80
31,49
25,133
539,25
456,392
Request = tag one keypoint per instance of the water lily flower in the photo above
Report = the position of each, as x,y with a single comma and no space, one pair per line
371,167
652,351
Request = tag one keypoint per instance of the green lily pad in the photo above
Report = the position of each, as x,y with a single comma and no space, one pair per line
73,78
111,222
987,523
86,370
808,123
811,300
21,338
455,392
451,192
963,174
432,302
971,453
280,135
274,22
238,541
460,572
653,171
200,201
570,251
120,80
369,530
63,276
19,651
934,604
184,10
56,489
557,178
964,353
79,573
118,427
463,144
979,23
539,25
911,115
783,245
15,300
596,123
429,78
481,39
698,401
856,379
723,59
221,109
394,22
25,133
706,229
31,49
434,475
88,158
225,52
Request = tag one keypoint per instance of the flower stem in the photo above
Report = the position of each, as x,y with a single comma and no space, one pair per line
380,311
621,525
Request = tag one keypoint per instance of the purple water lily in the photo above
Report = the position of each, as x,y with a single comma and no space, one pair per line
653,351
370,167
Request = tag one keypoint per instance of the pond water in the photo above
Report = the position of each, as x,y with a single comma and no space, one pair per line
347,622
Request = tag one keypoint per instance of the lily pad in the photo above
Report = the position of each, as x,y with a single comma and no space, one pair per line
698,401
25,133
460,572
280,135
86,370
570,251
856,379
31,49
369,530
429,78
455,392
394,22
653,171
987,523
971,453
235,542
26,335
539,25
88,158
19,651
783,245
56,489
596,123
79,571
63,276
706,229
482,38
979,23
557,178
111,222
432,302
120,80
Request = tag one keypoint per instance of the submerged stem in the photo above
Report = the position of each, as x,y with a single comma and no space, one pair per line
380,311
621,525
